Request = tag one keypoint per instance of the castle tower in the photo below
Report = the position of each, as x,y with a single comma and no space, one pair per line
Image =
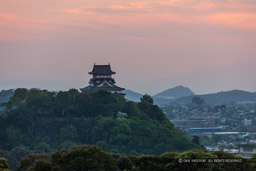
102,79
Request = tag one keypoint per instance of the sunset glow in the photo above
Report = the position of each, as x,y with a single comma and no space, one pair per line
207,45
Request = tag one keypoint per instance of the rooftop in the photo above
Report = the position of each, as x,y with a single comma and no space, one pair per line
247,145
102,70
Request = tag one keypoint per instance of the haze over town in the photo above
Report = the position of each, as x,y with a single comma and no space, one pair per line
208,46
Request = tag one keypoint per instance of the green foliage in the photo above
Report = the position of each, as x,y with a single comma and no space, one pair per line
197,100
42,147
68,133
38,99
83,158
88,157
146,99
232,166
196,154
27,162
3,164
41,165
149,163
125,163
253,161
169,160
19,95
5,95
14,136
62,101
43,121
216,138
196,139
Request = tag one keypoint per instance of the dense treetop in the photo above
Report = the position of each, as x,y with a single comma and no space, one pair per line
88,157
5,95
43,121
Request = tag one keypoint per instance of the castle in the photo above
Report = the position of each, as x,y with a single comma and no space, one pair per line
102,79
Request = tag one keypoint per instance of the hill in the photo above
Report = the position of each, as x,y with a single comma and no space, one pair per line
132,96
169,95
234,96
5,95
39,121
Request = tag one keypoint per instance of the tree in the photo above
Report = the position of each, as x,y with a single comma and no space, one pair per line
83,157
150,109
5,95
195,154
197,100
41,165
3,164
90,118
125,163
40,99
242,165
253,161
216,138
149,163
14,136
168,160
73,93
20,152
196,140
146,99
68,133
83,105
121,132
28,161
19,95
62,102
42,147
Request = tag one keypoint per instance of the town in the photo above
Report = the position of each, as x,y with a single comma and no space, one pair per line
228,127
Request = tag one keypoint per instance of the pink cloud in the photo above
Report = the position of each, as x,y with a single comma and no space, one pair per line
132,15
73,11
7,17
238,20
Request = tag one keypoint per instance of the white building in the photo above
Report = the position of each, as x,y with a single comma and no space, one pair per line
247,150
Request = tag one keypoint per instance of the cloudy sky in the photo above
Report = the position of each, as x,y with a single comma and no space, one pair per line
207,45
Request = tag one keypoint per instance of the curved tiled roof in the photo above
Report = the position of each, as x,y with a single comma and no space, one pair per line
102,70
104,85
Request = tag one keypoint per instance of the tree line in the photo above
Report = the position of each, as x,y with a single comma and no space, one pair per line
90,157
41,121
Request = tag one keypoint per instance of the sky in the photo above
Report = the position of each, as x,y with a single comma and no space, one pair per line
152,45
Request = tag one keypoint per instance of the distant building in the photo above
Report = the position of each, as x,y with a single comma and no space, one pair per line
179,123
102,79
194,122
205,130
198,122
247,150
247,122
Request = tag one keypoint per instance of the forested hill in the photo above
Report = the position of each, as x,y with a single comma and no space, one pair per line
41,121
224,97
5,95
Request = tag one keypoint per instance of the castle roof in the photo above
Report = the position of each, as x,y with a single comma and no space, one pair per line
102,70
103,85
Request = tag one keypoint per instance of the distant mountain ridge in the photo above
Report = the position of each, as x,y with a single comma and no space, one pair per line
163,97
178,94
169,95
132,95
5,95
233,96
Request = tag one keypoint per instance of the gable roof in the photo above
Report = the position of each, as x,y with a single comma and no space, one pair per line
102,70
103,85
